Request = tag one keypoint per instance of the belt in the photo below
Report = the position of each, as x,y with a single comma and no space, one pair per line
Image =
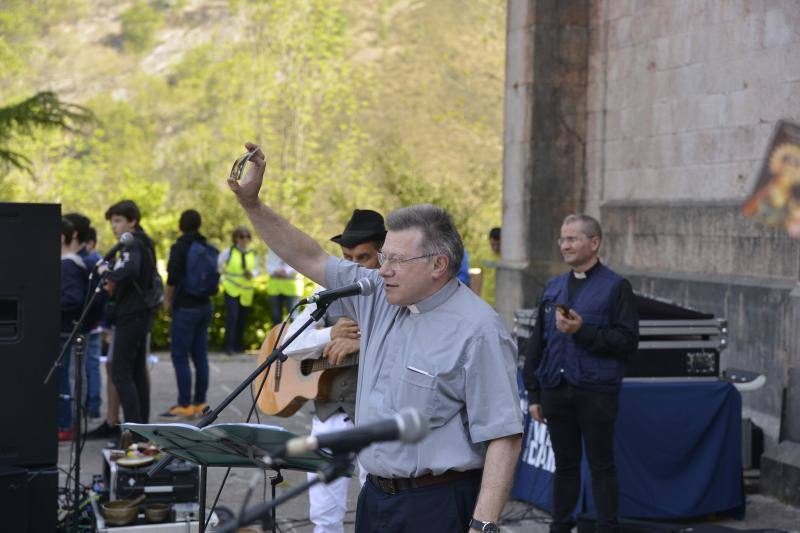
396,485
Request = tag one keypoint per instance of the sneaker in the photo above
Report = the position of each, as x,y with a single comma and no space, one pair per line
179,411
103,431
65,435
199,408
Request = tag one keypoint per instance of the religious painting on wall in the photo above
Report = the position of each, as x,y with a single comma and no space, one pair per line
776,197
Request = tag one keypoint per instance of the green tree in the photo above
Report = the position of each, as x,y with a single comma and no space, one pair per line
357,104
139,26
42,110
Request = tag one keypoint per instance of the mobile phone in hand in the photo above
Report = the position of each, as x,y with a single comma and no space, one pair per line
564,311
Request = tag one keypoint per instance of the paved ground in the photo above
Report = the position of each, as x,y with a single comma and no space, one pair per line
228,372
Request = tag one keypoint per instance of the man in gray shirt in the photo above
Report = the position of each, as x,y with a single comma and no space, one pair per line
428,342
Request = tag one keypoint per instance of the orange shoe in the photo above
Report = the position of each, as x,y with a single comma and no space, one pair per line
179,411
199,408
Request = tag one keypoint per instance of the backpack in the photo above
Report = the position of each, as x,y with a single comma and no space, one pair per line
153,296
202,276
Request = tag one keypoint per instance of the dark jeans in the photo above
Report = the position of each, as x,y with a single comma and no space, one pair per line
573,413
189,336
129,367
235,319
66,385
278,303
447,507
94,348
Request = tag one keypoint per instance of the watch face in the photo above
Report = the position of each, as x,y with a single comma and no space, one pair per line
491,527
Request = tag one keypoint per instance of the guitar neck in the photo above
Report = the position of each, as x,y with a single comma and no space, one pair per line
318,365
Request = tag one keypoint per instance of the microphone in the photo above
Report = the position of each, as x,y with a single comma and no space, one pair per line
364,287
124,239
406,426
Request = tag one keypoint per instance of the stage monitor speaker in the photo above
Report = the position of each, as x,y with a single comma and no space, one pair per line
14,498
42,500
29,326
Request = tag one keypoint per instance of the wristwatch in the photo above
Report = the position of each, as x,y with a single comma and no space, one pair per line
486,527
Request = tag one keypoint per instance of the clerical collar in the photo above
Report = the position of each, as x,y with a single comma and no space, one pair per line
583,275
436,299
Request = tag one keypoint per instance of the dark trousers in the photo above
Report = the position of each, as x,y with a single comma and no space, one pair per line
573,413
129,367
66,386
189,338
235,319
278,303
446,507
94,348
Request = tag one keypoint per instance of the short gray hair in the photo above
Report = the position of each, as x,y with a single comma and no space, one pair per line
439,233
589,225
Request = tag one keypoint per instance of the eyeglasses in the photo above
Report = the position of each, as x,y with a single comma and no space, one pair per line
571,240
395,262
239,166
248,237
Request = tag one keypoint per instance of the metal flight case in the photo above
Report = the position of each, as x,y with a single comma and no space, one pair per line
674,341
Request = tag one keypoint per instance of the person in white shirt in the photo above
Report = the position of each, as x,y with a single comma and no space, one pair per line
336,337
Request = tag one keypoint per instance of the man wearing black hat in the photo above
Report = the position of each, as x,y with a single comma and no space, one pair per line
336,337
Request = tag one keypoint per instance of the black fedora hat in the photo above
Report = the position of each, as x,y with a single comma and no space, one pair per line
365,225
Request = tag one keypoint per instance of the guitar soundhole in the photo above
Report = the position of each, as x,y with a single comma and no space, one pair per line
306,366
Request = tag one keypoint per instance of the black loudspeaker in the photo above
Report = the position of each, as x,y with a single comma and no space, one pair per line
30,317
42,500
14,498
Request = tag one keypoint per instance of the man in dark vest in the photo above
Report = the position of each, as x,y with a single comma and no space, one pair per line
587,326
336,337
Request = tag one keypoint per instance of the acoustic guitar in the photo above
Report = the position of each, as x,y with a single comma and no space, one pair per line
292,383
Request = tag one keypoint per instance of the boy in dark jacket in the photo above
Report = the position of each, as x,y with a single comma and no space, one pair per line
129,281
74,282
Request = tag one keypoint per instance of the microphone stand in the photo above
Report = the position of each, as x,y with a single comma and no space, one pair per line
80,347
277,354
338,466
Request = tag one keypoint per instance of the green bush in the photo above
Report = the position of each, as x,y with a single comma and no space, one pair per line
139,25
258,323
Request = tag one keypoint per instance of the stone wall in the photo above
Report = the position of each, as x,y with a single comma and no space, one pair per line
682,98
683,95
654,116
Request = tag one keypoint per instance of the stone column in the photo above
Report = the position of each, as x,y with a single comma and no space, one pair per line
544,142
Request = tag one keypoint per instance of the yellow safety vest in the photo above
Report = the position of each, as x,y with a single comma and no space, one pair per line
233,280
285,287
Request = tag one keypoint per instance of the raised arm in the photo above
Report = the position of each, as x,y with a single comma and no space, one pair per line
295,247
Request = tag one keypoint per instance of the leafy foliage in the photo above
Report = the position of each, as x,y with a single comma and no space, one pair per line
139,26
370,104
42,110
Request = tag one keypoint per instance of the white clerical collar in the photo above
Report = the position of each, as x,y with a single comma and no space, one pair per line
436,299
579,275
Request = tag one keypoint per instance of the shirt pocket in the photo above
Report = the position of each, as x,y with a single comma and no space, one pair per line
415,388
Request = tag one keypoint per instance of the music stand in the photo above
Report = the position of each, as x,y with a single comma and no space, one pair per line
230,445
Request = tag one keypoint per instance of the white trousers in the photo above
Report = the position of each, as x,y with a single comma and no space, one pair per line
328,502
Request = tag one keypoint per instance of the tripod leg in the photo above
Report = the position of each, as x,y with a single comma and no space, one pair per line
274,482
203,481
